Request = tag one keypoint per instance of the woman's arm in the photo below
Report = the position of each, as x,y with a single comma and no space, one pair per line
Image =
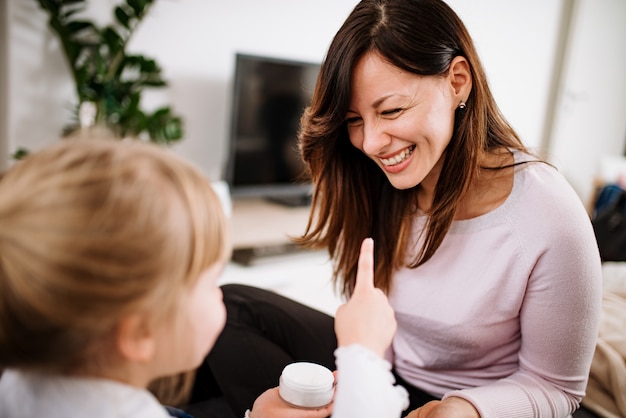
559,317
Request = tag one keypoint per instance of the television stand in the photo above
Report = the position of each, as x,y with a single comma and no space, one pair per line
247,256
262,228
292,201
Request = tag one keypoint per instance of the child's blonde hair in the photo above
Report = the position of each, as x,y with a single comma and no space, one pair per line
91,230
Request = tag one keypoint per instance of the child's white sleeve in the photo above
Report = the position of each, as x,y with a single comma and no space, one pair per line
365,386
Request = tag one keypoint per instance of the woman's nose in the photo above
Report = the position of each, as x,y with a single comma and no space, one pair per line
375,139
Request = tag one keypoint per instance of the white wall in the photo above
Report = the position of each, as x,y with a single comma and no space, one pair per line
590,113
195,41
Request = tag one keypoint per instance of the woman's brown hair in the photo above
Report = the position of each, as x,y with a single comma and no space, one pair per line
352,199
92,230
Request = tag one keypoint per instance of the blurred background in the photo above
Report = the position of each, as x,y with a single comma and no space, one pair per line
556,67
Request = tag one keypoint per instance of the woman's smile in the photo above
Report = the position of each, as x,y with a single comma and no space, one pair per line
398,158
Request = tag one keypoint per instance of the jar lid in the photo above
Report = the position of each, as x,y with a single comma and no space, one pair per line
306,385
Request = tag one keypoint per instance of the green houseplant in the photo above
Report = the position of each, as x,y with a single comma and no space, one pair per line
106,76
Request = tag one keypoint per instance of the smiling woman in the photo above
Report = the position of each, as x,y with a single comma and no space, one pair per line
404,122
486,252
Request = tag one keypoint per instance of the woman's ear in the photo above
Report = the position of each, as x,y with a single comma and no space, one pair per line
135,339
460,78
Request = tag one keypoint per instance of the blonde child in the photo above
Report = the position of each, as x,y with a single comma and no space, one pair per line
109,258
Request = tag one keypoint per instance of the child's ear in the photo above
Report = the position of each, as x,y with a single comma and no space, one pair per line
461,77
135,339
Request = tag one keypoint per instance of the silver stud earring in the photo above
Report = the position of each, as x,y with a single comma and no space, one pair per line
462,105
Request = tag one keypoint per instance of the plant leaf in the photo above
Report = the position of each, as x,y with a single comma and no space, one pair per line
122,17
138,6
113,40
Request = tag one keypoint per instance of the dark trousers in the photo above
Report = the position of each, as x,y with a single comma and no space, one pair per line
264,332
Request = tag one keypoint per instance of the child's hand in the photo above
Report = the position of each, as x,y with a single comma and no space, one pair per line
367,319
270,405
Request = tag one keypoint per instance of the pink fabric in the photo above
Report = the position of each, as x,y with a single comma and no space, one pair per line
506,313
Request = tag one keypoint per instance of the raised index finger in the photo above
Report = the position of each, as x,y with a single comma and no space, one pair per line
365,271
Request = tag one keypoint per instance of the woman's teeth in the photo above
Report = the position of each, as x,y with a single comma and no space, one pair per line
397,159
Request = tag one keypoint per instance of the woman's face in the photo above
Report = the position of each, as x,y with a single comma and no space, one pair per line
402,121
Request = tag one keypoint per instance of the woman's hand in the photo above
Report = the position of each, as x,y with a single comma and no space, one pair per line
271,405
450,408
366,319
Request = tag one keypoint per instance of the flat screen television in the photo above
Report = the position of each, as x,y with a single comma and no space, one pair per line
269,95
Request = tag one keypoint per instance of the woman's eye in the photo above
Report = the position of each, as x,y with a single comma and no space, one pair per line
353,120
392,112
